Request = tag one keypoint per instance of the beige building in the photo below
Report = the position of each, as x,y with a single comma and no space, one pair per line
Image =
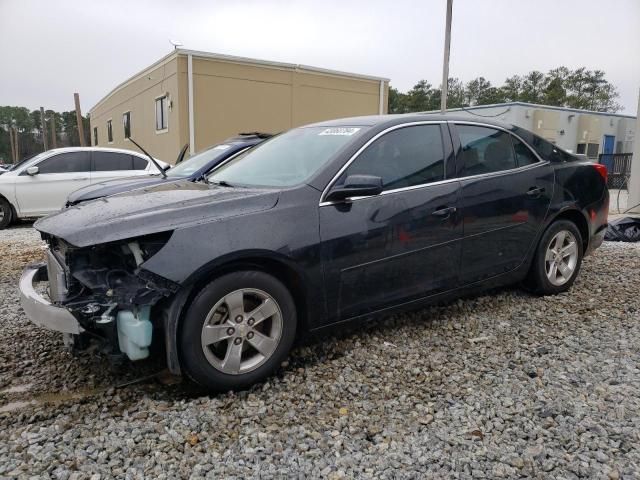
202,98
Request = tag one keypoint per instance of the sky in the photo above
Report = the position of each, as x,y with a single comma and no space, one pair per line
51,49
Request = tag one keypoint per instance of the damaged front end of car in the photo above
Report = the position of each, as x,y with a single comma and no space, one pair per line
100,291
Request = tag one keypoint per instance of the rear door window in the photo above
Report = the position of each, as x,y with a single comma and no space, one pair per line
484,150
404,157
112,161
68,162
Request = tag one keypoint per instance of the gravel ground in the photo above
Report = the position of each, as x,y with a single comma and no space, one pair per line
503,385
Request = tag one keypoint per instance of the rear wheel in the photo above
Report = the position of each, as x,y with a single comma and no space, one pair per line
6,213
557,260
237,331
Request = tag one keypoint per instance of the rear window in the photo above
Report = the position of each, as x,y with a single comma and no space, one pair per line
544,148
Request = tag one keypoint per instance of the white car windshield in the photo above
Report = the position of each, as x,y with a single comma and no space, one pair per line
28,161
286,160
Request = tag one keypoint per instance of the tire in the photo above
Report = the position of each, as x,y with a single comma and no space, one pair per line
225,356
542,279
6,213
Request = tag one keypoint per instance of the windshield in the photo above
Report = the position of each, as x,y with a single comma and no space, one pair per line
26,160
191,165
286,160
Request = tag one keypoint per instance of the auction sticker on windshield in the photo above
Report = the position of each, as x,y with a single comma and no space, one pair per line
342,131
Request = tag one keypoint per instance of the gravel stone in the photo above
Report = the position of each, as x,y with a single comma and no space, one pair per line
498,386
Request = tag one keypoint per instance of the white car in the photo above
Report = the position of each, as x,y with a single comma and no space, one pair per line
40,185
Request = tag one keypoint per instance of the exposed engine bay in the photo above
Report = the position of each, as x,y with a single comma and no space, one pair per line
107,291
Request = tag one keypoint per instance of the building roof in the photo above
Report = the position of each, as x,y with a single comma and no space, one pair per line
235,59
534,105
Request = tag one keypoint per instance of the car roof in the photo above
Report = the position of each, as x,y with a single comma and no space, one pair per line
94,149
395,119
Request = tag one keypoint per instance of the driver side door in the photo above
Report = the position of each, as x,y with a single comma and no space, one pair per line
58,175
403,244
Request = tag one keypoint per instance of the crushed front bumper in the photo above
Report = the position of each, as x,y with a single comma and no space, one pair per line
40,310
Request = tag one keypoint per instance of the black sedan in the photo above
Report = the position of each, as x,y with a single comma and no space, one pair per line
192,169
324,224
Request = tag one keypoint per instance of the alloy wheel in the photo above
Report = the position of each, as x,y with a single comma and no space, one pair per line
561,257
242,331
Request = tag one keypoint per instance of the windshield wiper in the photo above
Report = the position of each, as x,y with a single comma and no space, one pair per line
220,183
153,160
182,153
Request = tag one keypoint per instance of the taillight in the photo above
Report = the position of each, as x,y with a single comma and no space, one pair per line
602,170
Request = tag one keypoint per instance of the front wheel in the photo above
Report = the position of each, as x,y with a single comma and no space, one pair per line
6,213
237,331
557,260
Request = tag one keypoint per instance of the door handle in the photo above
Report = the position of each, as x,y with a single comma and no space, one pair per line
83,178
444,212
535,191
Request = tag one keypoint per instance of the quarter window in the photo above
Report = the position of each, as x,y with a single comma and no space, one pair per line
161,113
524,155
66,163
126,124
139,163
402,158
484,150
109,131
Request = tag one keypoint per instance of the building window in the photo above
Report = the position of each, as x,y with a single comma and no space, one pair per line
582,148
161,113
109,132
126,123
592,150
95,135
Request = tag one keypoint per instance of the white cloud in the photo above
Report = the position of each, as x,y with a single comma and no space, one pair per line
52,49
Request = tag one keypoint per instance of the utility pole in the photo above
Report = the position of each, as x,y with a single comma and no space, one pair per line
445,62
13,133
54,142
44,130
76,98
633,200
13,153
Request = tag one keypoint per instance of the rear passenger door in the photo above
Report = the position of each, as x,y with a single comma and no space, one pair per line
111,165
505,194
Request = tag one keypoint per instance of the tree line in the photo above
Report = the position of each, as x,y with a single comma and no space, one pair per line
28,125
580,88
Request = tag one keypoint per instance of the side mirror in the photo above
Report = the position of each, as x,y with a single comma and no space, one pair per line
32,171
356,186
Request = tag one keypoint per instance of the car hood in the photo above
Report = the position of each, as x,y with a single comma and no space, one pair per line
111,187
156,209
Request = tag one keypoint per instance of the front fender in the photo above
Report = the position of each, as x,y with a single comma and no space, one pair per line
252,259
8,192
